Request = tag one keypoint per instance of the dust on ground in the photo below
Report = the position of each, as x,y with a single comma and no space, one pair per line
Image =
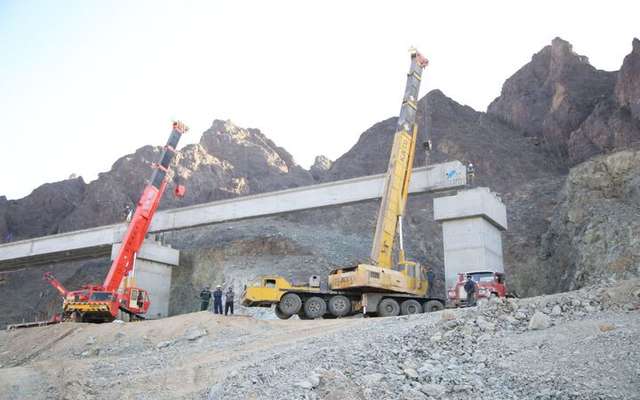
575,345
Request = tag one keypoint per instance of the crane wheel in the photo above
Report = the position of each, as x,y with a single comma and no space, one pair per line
315,307
280,314
433,305
339,306
290,304
388,308
302,316
410,307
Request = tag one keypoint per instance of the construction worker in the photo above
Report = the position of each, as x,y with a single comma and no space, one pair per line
205,297
430,279
140,300
471,173
128,212
217,300
228,301
470,288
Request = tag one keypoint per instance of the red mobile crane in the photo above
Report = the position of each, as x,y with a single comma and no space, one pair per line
101,303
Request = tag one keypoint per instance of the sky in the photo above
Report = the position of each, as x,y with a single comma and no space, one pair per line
83,83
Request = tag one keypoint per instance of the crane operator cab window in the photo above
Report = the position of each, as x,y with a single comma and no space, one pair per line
101,296
142,296
270,283
135,298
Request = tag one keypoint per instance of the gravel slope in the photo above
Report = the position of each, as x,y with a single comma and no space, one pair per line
576,345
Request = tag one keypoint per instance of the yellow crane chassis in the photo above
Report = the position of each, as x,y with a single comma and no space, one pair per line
312,302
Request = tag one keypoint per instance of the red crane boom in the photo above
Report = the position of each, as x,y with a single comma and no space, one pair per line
101,303
146,208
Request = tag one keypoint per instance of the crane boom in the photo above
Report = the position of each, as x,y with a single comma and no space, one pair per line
146,208
102,303
381,287
396,187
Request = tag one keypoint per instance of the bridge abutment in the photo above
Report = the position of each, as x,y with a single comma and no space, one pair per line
153,273
472,225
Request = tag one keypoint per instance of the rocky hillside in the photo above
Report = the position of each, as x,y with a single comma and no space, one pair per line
554,113
594,233
229,161
576,110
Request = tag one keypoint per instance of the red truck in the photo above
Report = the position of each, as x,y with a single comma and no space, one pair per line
489,283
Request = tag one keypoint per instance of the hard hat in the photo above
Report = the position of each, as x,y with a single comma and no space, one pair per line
218,286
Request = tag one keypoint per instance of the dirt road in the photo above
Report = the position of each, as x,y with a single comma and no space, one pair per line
153,359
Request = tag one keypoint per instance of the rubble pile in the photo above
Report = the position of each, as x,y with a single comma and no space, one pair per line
574,345
497,350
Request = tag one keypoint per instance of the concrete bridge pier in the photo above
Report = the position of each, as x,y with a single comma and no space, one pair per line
153,273
472,225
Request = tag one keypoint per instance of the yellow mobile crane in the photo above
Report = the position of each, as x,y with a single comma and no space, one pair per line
388,285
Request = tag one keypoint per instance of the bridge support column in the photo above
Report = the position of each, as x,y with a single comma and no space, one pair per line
472,221
153,273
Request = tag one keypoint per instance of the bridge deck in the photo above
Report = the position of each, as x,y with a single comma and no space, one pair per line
97,241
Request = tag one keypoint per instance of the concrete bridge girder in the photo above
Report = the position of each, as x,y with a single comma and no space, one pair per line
97,241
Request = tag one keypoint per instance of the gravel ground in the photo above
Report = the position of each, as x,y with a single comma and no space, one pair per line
576,345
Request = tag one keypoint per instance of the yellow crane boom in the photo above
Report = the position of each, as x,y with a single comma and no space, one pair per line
396,188
385,286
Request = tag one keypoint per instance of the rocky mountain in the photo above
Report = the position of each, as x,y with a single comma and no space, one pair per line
554,113
42,212
577,110
627,89
229,161
320,166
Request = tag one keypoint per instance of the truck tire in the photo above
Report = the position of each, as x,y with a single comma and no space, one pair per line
388,308
315,307
410,307
339,305
302,316
433,305
280,314
290,304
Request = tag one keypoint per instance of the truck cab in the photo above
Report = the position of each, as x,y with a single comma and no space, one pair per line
269,289
489,283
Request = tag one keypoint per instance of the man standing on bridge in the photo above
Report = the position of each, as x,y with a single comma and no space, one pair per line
217,300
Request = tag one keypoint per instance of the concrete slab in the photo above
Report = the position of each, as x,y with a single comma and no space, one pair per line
71,245
156,279
478,202
153,251
470,244
153,273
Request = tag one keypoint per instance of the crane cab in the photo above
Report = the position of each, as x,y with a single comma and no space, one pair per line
136,300
411,279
